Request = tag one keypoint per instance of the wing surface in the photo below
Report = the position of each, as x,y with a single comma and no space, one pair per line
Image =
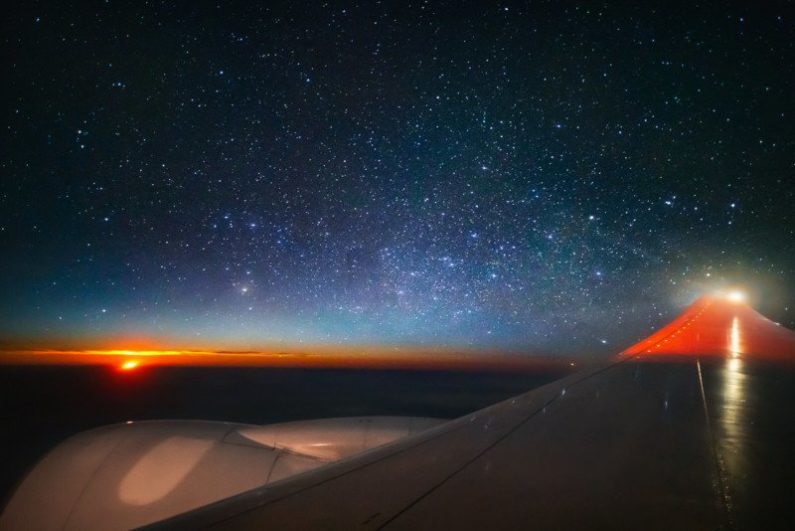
691,428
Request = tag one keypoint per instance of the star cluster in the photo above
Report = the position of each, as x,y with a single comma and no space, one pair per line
542,176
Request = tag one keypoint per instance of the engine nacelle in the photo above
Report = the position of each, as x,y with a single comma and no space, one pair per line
127,475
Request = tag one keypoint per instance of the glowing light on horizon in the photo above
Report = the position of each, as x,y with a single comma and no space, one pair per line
129,365
126,360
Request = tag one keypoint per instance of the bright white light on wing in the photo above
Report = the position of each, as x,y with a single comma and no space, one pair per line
736,296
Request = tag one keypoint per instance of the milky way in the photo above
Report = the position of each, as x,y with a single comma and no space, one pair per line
539,176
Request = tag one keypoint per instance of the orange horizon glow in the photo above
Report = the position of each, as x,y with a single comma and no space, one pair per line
328,357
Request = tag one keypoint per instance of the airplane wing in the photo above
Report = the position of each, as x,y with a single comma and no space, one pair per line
691,428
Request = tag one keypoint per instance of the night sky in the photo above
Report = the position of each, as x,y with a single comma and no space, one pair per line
529,176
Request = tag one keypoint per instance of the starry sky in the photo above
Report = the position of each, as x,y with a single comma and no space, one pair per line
531,176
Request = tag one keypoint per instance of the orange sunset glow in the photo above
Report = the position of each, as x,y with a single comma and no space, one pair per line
129,365
316,357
